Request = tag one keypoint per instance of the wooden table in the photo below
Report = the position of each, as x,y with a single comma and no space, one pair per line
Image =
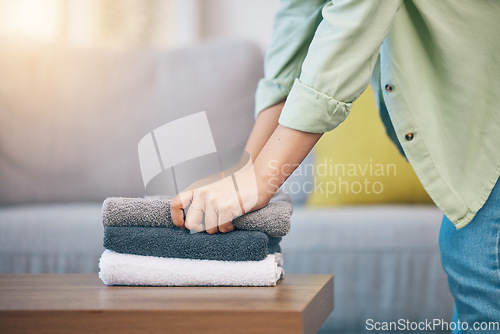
78,303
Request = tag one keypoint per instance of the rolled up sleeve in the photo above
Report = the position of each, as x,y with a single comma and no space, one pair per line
339,63
293,29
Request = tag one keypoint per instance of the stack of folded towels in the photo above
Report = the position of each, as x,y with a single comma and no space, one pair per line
144,247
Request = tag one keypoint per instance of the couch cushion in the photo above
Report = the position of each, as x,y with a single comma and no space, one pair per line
51,238
385,259
71,119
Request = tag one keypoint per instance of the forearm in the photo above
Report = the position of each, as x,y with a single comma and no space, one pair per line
248,188
265,124
280,156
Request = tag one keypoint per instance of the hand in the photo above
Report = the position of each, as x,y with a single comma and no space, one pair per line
220,196
217,200
248,186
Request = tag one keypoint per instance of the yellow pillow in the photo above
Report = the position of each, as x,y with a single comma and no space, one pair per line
357,163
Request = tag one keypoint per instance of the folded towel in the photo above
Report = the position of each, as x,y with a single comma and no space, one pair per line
273,219
178,243
128,269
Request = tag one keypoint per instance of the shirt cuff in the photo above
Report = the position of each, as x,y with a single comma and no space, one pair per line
308,110
271,91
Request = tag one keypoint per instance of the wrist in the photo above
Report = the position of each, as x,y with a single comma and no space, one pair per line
255,185
267,184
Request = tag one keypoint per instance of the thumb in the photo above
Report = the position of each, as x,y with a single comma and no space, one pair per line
177,206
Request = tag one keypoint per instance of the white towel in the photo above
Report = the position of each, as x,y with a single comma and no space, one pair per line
129,269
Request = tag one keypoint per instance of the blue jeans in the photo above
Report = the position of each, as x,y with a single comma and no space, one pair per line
470,257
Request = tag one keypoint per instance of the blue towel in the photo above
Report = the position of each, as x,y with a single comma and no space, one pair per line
178,243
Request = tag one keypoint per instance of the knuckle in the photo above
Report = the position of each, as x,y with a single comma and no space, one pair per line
182,197
212,230
212,201
202,192
175,203
189,225
226,228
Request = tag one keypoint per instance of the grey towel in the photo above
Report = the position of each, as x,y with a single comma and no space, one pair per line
273,219
178,243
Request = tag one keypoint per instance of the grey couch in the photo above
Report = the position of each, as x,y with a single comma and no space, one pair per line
70,121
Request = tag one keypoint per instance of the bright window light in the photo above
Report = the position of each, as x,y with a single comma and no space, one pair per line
34,20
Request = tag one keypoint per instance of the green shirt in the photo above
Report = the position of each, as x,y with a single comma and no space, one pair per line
435,64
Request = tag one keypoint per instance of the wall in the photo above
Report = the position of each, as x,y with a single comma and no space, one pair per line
132,23
250,19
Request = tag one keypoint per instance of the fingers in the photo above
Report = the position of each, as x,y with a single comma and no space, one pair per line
218,217
226,227
211,208
211,220
214,223
225,222
194,216
177,206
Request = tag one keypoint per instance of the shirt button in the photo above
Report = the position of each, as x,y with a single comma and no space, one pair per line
388,88
409,136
